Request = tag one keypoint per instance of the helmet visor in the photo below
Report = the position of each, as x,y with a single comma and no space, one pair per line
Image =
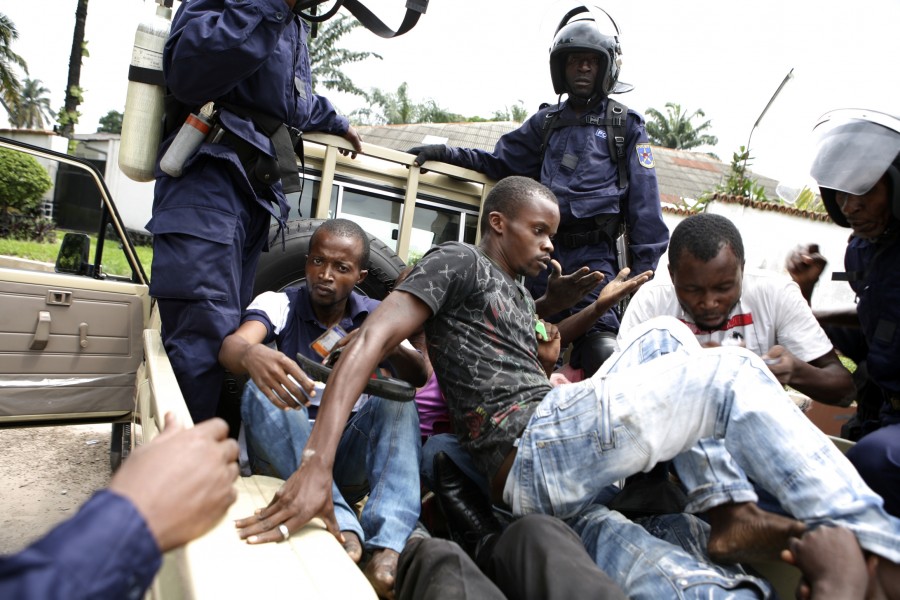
854,149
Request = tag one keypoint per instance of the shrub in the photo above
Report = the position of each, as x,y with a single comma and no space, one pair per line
23,182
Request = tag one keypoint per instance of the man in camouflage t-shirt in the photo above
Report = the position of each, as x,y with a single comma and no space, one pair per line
487,362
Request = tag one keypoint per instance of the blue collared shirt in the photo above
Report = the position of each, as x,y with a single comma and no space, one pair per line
104,551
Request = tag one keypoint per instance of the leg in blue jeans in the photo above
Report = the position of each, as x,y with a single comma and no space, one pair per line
672,565
275,442
379,453
585,436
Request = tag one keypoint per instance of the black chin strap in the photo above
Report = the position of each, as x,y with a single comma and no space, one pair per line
414,9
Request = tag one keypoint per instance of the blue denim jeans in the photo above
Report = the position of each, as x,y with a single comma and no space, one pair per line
378,454
661,557
654,400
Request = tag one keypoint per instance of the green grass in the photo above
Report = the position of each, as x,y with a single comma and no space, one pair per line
114,262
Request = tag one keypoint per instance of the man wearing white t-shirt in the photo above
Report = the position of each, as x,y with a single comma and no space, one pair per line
725,305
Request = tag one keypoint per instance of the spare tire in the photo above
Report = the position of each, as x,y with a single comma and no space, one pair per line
282,268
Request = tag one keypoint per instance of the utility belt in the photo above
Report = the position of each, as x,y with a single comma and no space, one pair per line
262,169
589,232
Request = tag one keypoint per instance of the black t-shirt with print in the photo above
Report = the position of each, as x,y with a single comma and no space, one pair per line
482,343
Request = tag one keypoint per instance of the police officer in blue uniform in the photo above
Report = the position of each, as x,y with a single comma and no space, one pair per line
568,148
857,167
211,223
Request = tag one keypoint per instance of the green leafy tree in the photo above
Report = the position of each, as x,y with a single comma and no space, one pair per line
31,109
516,113
68,115
430,112
390,108
396,108
676,130
9,82
23,182
327,60
111,122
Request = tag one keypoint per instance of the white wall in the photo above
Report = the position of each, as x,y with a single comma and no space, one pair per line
769,236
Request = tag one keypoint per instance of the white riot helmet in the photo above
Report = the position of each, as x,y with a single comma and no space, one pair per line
855,148
589,33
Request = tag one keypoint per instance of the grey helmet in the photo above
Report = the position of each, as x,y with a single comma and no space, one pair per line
585,35
855,148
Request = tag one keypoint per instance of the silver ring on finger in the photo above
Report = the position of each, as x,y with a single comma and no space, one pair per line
285,534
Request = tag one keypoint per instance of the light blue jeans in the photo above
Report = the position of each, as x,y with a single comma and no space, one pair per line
655,399
378,454
661,557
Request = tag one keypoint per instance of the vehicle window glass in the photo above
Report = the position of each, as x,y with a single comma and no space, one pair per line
375,214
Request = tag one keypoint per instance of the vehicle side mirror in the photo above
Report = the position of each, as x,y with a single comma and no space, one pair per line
74,254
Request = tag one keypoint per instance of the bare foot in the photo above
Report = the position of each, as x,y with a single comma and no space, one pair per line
744,532
381,570
352,546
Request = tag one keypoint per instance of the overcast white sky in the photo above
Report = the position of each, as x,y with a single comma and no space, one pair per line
476,56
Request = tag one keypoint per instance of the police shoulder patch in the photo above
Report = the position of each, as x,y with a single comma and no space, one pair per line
645,156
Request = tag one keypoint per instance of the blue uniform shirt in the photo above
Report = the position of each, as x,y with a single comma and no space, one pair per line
578,169
879,306
104,551
249,53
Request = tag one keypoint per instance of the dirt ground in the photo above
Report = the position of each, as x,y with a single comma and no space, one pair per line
47,473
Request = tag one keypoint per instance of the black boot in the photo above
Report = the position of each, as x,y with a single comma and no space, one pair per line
466,508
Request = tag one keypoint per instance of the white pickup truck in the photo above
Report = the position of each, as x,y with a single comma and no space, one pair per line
80,343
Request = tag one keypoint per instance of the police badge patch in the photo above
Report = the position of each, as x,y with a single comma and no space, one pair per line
645,156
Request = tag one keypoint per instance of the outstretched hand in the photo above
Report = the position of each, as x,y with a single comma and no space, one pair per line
565,291
621,286
305,495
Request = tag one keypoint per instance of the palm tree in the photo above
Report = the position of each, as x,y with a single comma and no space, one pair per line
9,82
395,108
68,116
32,106
675,130
326,59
